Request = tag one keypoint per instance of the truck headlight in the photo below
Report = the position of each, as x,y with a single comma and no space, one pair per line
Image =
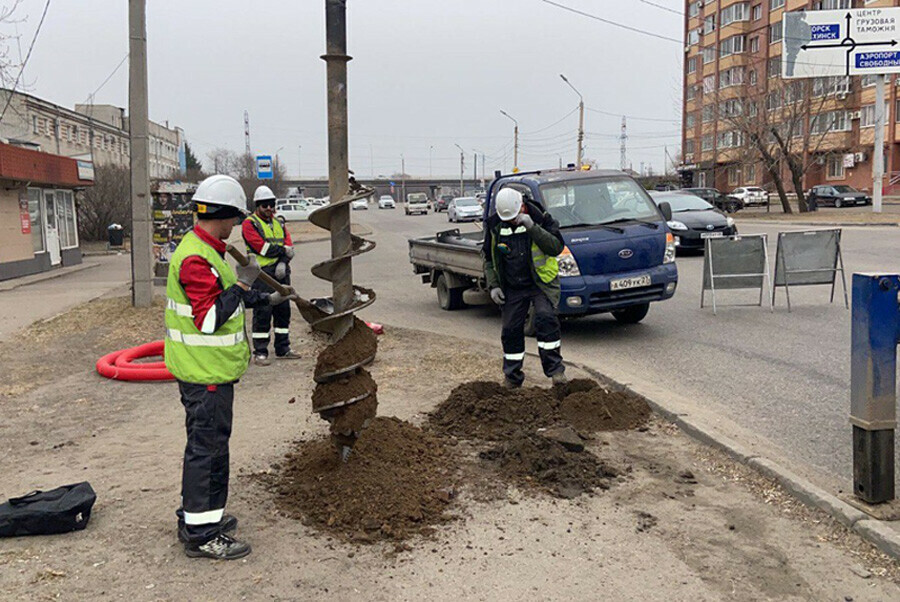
673,225
729,221
567,264
669,257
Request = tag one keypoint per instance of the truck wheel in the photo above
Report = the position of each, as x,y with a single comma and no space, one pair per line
530,331
449,298
631,315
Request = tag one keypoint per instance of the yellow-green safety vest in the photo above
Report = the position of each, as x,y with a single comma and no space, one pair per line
191,355
546,267
273,234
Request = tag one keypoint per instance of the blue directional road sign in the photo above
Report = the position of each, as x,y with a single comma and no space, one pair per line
264,169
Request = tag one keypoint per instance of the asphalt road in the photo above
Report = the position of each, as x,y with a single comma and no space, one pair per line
778,381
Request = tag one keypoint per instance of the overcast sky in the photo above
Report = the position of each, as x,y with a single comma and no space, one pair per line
425,73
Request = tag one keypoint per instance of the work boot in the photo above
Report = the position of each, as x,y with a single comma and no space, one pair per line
221,547
559,378
508,384
229,525
290,355
261,360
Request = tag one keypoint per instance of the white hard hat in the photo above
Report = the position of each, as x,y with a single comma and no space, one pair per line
218,192
508,203
263,193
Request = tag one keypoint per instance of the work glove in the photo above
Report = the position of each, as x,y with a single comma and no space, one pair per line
289,252
523,219
247,274
277,298
497,296
280,270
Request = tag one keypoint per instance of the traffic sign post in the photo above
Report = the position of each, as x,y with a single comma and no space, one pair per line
829,43
264,169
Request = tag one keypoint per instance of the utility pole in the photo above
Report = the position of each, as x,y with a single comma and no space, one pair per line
247,132
139,142
515,141
462,168
402,178
623,159
475,168
430,153
878,155
580,157
338,161
299,160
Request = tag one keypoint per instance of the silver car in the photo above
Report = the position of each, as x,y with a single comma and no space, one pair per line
464,209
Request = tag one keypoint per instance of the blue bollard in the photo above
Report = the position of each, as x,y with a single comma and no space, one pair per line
874,335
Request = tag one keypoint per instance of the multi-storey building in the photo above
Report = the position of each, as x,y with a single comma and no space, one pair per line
733,54
98,133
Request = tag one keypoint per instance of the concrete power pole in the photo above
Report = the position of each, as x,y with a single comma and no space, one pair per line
580,156
515,140
139,142
402,178
462,169
623,158
246,132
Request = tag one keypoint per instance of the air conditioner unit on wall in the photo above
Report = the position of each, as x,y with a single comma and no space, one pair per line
842,96
860,157
855,114
820,160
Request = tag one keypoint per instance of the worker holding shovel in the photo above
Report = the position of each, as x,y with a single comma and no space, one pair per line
207,352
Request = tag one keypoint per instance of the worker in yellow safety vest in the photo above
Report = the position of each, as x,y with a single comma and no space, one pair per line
207,352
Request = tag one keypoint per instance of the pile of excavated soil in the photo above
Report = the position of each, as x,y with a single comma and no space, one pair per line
530,458
486,410
399,481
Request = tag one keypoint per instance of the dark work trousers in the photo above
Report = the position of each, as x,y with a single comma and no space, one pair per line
204,480
265,315
546,324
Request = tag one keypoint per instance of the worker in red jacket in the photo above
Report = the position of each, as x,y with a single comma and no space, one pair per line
270,243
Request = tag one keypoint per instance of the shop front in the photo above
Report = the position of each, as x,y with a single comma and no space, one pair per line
38,216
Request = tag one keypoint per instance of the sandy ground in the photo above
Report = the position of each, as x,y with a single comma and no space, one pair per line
845,215
653,536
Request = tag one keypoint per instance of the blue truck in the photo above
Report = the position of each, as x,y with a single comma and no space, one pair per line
619,255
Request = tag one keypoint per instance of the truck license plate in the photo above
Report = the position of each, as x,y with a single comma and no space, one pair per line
633,282
711,235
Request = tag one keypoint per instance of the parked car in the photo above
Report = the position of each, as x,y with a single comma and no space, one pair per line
442,202
694,220
751,196
464,209
416,202
360,204
838,196
386,201
321,202
717,199
296,212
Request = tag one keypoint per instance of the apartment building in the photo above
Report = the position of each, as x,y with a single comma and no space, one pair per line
732,54
98,133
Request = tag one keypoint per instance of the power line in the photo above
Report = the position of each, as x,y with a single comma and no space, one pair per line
613,23
661,7
633,117
25,62
108,77
563,118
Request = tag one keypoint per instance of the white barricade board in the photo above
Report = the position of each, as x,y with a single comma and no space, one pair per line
807,258
738,262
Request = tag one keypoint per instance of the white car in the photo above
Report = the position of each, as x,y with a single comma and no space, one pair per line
320,202
386,201
751,195
295,212
360,204
416,202
464,209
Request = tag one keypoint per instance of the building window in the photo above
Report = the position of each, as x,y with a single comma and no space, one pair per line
65,209
707,144
757,12
689,121
709,54
897,110
750,174
36,214
693,37
823,86
773,67
751,78
734,175
754,44
689,147
732,45
694,8
709,84
867,81
775,4
709,24
835,167
734,13
708,113
867,116
775,33
834,4
831,121
731,77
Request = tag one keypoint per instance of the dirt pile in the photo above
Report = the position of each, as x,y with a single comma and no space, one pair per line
530,458
517,422
486,410
399,481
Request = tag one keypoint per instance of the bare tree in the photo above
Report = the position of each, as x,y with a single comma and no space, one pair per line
106,202
785,126
9,66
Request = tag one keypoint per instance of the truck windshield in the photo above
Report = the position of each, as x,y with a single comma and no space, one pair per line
597,202
417,198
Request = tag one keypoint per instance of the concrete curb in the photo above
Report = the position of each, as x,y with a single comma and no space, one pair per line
778,222
44,276
876,532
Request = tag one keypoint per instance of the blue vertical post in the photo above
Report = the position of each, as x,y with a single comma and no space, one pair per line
874,336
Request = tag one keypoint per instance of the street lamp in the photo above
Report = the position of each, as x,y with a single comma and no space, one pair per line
580,121
515,141
430,152
462,167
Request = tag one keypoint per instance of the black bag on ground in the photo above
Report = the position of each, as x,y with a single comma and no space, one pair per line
60,510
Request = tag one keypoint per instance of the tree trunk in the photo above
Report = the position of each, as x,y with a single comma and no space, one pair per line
797,180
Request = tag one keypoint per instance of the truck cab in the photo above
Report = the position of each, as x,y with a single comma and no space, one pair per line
619,255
